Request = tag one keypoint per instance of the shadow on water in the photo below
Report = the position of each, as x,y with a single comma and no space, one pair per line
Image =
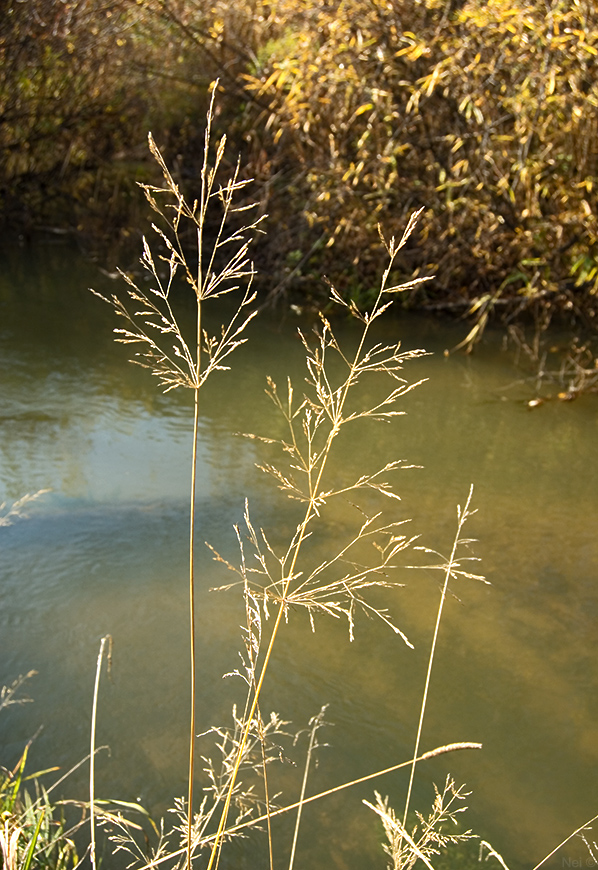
105,552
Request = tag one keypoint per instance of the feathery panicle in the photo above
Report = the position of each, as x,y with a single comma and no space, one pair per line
429,836
18,509
336,586
223,266
176,358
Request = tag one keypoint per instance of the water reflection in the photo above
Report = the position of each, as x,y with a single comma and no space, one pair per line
105,552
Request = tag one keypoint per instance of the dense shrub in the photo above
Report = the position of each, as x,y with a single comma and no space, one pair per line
483,112
77,93
350,113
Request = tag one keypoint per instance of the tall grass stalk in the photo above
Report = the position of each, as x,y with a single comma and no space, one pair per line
314,424
590,862
452,570
278,578
178,360
107,639
315,723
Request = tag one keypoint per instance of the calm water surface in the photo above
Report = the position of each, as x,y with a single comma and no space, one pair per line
105,552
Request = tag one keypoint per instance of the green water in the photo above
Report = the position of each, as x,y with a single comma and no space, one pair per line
105,552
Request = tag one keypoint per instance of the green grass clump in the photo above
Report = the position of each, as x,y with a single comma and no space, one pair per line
33,833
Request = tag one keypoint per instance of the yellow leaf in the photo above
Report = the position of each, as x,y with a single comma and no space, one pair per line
460,165
365,107
417,51
277,77
348,172
432,80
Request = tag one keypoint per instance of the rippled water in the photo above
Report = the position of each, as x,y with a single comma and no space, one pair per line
105,552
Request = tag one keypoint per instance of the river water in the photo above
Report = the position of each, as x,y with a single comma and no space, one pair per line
104,551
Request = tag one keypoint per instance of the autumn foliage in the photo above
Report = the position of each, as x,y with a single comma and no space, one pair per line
353,113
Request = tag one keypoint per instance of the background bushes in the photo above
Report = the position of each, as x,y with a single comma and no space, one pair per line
348,113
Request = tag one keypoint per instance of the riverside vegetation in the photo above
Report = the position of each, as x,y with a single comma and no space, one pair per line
352,114
277,579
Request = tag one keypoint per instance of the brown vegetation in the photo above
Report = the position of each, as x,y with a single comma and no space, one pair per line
348,114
